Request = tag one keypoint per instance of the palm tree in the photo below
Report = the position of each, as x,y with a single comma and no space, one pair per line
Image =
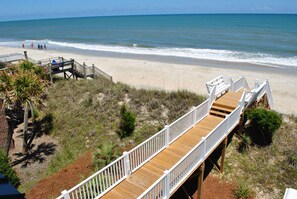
105,154
23,85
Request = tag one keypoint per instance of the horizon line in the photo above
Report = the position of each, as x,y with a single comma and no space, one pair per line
127,15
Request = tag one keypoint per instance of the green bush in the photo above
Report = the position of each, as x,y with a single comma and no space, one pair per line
264,124
242,191
127,123
2,65
7,170
104,155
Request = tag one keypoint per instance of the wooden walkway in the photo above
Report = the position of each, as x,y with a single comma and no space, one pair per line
144,177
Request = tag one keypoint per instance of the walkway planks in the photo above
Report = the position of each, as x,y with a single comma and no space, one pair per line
144,177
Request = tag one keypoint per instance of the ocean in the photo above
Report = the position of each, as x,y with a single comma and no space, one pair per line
268,39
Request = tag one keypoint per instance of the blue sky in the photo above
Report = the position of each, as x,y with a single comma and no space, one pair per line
35,9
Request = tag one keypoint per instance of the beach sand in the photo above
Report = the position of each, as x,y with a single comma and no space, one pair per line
168,74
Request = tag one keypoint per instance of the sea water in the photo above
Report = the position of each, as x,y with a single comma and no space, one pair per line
255,38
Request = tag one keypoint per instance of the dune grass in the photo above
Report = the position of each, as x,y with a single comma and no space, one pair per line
270,170
86,113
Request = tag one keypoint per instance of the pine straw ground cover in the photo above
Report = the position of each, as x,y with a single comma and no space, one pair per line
86,113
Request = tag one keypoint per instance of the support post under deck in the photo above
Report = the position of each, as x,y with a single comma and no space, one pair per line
200,180
223,154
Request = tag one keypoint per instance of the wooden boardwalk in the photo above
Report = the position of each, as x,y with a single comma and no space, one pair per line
144,177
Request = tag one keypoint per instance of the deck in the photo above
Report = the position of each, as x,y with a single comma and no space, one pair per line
157,167
144,177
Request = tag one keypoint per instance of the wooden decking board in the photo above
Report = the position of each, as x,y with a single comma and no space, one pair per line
145,176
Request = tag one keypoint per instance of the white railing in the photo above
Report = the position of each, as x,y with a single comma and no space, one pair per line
239,84
12,57
99,183
181,125
141,154
99,72
156,190
172,179
108,177
269,95
89,71
201,111
184,167
212,96
146,150
222,83
44,62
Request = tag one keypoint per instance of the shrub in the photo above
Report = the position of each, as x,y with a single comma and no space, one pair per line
264,124
245,142
104,155
127,123
242,191
2,65
7,170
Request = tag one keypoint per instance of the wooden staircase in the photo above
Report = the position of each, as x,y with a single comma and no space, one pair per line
220,110
224,106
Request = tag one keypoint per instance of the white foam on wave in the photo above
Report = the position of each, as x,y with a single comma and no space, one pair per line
210,54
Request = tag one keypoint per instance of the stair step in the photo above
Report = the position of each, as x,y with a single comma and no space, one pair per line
219,114
223,106
221,109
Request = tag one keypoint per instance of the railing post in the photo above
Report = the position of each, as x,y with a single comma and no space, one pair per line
194,115
127,164
228,125
231,84
167,135
204,147
209,101
167,184
93,68
65,194
257,84
85,70
26,55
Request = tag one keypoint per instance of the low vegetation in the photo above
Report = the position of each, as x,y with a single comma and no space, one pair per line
127,122
270,169
264,124
86,114
242,191
7,170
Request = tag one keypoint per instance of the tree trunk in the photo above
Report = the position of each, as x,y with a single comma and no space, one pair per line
25,129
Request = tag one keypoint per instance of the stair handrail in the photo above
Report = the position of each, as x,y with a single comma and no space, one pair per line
239,84
12,57
166,184
269,95
212,96
131,166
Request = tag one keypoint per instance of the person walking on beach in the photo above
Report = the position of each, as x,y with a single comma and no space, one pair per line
32,45
44,46
23,45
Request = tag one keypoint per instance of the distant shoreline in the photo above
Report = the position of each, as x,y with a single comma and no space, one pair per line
174,73
246,66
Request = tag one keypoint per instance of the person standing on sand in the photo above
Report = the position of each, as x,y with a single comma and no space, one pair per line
23,45
44,46
32,45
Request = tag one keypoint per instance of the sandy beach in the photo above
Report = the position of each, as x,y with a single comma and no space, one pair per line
176,74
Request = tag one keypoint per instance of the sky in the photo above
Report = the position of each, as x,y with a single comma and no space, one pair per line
38,9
